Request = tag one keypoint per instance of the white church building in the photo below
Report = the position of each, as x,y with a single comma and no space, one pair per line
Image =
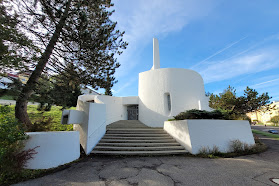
163,93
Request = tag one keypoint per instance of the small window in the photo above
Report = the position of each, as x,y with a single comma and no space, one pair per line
169,102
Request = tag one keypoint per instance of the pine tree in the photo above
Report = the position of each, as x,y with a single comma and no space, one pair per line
17,51
238,106
77,32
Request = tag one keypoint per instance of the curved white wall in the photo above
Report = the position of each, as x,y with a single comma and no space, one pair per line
54,148
185,87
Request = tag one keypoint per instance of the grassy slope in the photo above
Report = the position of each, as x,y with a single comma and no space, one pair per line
55,113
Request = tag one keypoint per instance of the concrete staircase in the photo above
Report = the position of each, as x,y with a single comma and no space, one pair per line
131,137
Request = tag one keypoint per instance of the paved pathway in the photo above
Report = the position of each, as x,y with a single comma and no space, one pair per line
13,102
170,170
264,128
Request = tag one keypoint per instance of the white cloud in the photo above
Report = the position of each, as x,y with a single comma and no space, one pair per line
257,61
144,19
266,82
218,52
125,85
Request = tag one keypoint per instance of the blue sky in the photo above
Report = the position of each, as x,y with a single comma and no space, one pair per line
228,42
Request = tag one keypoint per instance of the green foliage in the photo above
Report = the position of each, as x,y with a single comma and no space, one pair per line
12,155
7,97
66,87
45,121
237,148
16,50
200,114
208,152
14,88
56,34
274,136
237,107
275,119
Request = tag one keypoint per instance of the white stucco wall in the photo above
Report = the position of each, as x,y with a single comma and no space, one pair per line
195,134
185,87
93,117
131,100
54,148
115,110
93,126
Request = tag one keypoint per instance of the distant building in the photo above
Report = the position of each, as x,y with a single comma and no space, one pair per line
88,91
23,77
264,116
4,81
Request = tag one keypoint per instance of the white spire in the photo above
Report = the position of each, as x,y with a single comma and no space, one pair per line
156,55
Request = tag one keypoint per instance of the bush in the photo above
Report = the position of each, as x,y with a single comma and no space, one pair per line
275,119
242,148
207,152
45,121
200,114
12,138
237,148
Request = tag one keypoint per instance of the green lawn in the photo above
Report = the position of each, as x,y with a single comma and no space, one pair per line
54,115
7,97
274,136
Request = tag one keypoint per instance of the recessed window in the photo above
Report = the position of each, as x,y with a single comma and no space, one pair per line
169,102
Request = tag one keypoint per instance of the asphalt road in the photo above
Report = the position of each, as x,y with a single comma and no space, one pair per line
264,128
169,170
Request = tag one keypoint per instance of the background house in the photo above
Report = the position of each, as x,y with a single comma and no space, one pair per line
263,115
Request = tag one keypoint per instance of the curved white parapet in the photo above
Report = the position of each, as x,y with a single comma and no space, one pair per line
199,133
166,92
53,148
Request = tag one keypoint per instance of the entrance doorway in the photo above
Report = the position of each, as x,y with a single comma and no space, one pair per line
133,112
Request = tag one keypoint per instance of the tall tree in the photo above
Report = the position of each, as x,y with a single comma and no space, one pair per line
17,51
236,106
66,87
69,31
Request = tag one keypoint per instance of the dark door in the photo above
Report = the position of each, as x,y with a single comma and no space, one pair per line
133,112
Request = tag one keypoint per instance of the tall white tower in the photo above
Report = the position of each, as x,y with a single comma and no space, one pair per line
156,55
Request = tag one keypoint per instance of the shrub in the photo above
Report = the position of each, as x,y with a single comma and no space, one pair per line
237,148
275,119
200,114
42,124
12,138
242,148
210,153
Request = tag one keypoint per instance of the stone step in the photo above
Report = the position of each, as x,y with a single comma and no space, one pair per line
139,144
127,124
138,137
139,153
137,140
137,134
136,129
113,148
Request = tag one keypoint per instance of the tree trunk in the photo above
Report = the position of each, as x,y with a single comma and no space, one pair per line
22,100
